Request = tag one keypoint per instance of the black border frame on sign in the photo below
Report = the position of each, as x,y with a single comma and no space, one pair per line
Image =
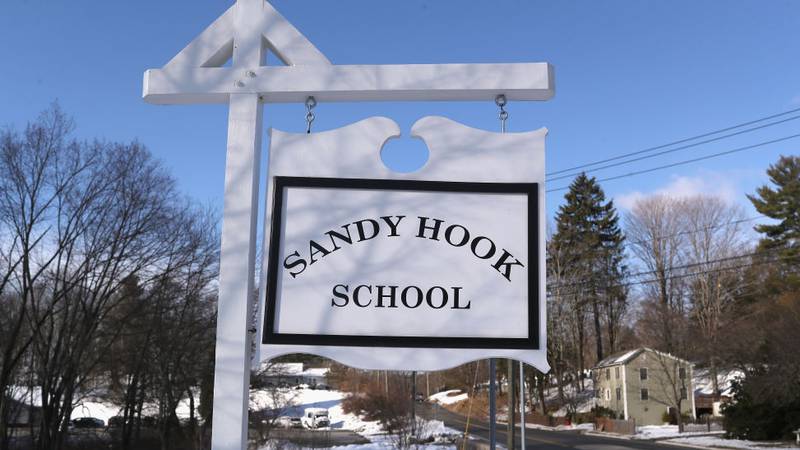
269,335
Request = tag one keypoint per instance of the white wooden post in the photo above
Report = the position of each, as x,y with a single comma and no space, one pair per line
237,255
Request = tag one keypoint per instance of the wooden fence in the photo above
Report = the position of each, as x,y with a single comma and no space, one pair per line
615,426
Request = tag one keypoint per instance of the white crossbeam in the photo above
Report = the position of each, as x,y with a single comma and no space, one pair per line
340,83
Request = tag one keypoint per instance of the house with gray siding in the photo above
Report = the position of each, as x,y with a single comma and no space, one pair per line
643,384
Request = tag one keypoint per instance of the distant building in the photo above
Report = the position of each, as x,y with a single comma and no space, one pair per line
708,402
643,384
294,374
24,406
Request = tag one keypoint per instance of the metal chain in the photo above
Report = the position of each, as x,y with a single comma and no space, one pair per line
310,104
500,101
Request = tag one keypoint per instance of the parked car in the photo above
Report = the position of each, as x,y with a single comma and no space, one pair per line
316,418
290,422
88,422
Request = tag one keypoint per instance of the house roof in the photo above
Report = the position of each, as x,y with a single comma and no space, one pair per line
704,385
316,372
283,369
627,356
619,358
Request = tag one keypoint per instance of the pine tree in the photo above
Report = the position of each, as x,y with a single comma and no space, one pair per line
588,232
781,203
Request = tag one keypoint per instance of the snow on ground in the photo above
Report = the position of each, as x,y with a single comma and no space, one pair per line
98,410
448,397
303,398
719,442
665,431
551,393
105,410
379,442
431,428
300,399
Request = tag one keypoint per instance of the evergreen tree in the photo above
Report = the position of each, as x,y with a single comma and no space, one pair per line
781,203
588,233
767,325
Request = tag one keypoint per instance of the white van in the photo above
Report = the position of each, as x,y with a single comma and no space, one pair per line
316,418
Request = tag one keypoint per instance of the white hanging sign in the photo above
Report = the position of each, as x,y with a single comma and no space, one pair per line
432,268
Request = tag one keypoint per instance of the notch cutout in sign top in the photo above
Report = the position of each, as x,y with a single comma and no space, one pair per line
405,155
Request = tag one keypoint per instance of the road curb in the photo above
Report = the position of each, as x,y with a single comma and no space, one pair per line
609,435
664,441
680,444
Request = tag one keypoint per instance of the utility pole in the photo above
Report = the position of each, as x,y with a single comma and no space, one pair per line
522,404
427,384
413,402
492,405
511,404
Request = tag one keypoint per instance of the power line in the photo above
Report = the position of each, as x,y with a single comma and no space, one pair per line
670,144
688,161
673,150
673,268
698,230
692,274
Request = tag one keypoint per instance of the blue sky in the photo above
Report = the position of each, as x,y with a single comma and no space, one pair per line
629,75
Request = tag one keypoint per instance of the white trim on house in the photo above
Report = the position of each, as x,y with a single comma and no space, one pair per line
624,393
690,376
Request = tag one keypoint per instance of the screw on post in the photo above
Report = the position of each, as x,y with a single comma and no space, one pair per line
310,104
501,102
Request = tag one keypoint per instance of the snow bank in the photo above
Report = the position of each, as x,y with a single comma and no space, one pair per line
99,410
295,402
380,442
665,431
715,441
448,397
105,410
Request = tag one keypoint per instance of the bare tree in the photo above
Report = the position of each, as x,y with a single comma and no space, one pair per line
672,381
655,229
38,171
715,240
270,398
77,220
563,351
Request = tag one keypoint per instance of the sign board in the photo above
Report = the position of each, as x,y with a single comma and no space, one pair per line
446,258
415,264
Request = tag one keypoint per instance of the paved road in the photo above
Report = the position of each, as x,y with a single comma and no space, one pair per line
535,439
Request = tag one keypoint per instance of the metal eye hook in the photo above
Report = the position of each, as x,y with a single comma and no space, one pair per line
311,102
501,102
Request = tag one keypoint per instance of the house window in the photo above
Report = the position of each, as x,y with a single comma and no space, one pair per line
616,372
682,373
645,394
608,374
643,373
608,394
683,393
619,394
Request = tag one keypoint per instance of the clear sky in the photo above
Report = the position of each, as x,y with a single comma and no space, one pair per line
629,75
